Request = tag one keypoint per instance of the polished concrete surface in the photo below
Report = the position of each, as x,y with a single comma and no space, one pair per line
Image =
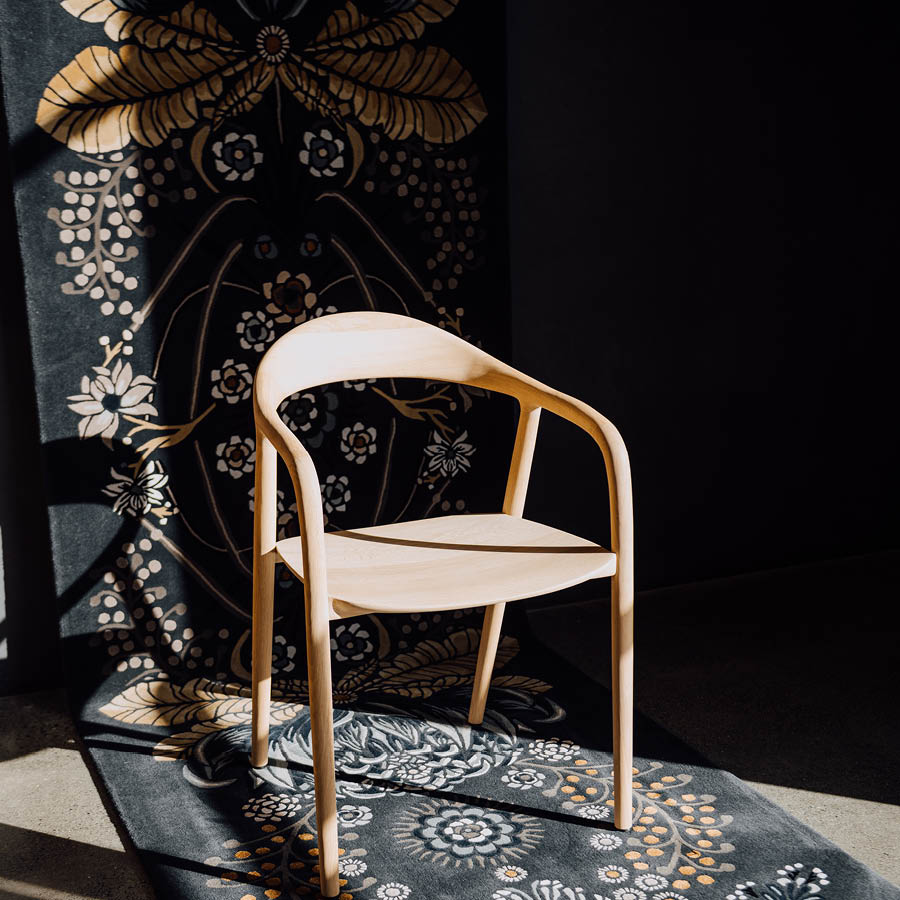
57,840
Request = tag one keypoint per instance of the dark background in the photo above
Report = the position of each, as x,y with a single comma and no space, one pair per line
703,207
702,241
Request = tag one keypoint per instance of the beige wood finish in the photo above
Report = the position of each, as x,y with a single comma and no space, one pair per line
450,562
443,563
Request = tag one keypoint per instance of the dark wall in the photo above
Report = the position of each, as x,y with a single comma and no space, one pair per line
28,627
703,247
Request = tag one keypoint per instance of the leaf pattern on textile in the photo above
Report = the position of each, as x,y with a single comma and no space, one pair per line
245,93
436,665
190,28
521,683
356,677
405,91
308,91
350,28
178,746
90,10
101,100
161,703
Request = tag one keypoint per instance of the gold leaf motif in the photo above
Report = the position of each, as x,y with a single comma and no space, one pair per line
177,746
308,91
522,683
162,703
245,93
350,28
405,91
356,677
190,28
90,10
101,100
436,665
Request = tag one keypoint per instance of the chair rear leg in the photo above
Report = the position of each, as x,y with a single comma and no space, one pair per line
263,601
318,652
623,696
487,653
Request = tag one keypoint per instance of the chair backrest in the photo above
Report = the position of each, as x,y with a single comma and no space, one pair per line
356,345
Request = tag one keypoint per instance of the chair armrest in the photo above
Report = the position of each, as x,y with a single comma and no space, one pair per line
307,491
531,393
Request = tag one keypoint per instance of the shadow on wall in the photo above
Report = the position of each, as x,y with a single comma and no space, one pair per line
29,658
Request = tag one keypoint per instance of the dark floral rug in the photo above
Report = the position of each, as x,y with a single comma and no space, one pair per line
193,179
430,807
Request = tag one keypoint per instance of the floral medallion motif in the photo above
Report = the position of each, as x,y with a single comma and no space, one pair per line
459,835
793,882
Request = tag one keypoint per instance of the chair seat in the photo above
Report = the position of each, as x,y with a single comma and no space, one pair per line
450,562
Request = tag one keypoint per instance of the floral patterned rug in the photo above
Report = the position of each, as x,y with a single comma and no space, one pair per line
430,807
193,179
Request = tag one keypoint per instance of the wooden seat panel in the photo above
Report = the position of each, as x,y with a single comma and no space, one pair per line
450,562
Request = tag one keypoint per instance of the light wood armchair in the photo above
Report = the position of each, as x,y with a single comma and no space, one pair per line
444,563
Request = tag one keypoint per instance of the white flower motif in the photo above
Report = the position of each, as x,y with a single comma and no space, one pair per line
359,385
351,866
510,874
523,779
671,895
322,153
283,654
290,297
350,816
593,811
553,749
358,443
139,494
602,841
233,382
449,457
236,157
336,493
543,889
255,330
351,642
628,893
393,890
111,392
651,882
272,807
236,456
612,874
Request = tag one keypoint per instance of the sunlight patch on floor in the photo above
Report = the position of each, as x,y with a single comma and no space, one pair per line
864,828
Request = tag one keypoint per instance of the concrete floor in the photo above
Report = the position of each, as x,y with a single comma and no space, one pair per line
785,706
57,840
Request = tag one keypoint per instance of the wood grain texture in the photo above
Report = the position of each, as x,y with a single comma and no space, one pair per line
449,562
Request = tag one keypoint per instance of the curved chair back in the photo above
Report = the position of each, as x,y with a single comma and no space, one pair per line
356,345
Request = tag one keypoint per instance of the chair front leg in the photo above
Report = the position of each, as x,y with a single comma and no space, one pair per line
263,611
622,696
318,651
484,669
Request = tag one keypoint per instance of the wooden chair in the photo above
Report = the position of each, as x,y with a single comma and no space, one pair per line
444,563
